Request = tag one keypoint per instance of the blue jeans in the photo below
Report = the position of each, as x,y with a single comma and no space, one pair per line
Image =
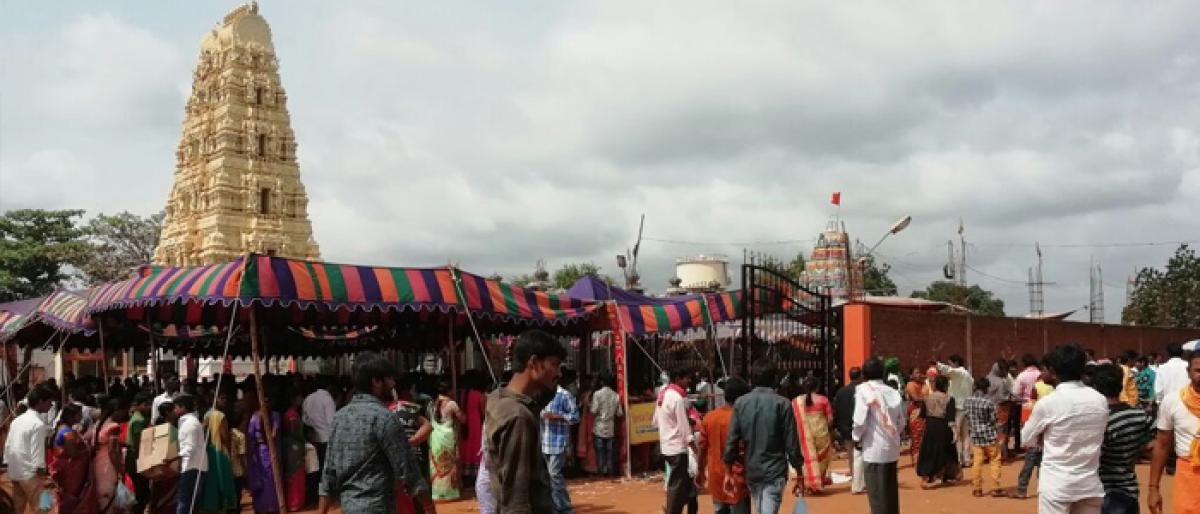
1033,458
604,454
189,483
558,484
1116,502
742,507
767,496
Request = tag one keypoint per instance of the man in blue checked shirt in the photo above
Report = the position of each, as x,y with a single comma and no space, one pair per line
557,419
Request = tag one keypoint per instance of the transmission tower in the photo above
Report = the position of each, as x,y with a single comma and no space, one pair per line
1037,300
1096,301
956,263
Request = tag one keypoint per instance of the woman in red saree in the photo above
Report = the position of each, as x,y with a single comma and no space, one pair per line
293,454
474,403
70,465
584,447
914,392
814,414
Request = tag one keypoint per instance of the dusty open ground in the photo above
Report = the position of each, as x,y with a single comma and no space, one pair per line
645,496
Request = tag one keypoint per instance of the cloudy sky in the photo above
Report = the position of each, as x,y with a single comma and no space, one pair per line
495,135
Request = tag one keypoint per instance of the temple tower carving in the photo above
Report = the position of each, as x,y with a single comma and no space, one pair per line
237,183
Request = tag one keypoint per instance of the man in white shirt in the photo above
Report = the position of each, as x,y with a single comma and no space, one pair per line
1071,424
962,385
192,453
1178,427
674,436
878,411
172,388
1172,375
318,410
25,451
606,407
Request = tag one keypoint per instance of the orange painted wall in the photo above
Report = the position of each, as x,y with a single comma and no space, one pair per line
856,337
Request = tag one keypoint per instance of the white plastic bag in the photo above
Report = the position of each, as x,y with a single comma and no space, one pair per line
123,498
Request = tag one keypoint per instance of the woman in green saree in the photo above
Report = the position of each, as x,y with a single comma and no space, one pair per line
446,417
218,492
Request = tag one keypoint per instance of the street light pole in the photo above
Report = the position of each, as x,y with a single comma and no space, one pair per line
861,262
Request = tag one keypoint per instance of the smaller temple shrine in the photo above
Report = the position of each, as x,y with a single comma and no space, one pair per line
830,269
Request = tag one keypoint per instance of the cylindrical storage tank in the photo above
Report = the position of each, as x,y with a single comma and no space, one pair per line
699,272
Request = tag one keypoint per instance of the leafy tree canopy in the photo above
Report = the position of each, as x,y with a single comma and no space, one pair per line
121,242
876,280
975,298
568,274
39,251
1168,297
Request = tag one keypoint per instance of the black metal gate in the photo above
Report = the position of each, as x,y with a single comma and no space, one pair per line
791,325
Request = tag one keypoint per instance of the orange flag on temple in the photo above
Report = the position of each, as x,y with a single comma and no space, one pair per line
837,198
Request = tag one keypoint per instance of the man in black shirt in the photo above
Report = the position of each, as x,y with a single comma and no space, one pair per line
843,421
417,429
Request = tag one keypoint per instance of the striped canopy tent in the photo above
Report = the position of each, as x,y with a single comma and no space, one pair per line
15,315
190,296
59,320
67,311
641,315
366,295
312,295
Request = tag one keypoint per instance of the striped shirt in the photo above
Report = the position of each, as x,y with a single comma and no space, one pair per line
1129,430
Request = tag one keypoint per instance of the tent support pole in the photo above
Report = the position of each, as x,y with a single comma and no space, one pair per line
263,414
452,356
103,354
153,363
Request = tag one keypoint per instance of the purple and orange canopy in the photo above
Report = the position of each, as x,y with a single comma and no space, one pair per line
307,293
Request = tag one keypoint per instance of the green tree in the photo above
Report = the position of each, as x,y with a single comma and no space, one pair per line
796,268
876,280
975,298
568,274
38,249
1167,297
790,269
121,243
521,280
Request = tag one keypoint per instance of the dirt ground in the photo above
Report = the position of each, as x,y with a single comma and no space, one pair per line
645,496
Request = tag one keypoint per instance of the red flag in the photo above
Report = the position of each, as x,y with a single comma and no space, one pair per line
837,198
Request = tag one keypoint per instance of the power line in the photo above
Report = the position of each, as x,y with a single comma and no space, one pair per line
1002,279
729,243
1093,245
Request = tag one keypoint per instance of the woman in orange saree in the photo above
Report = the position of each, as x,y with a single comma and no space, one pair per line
814,414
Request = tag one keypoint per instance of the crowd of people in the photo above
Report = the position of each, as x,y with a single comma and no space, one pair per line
386,441
76,446
1084,422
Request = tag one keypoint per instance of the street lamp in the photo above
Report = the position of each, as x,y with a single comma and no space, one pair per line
896,227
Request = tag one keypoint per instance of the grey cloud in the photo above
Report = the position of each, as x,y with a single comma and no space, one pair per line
498,136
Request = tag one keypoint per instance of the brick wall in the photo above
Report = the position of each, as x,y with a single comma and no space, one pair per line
917,337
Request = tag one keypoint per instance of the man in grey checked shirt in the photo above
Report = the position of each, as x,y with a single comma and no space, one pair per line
368,452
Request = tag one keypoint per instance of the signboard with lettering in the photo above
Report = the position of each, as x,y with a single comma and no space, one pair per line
641,423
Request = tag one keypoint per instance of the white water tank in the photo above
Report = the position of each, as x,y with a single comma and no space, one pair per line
699,272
